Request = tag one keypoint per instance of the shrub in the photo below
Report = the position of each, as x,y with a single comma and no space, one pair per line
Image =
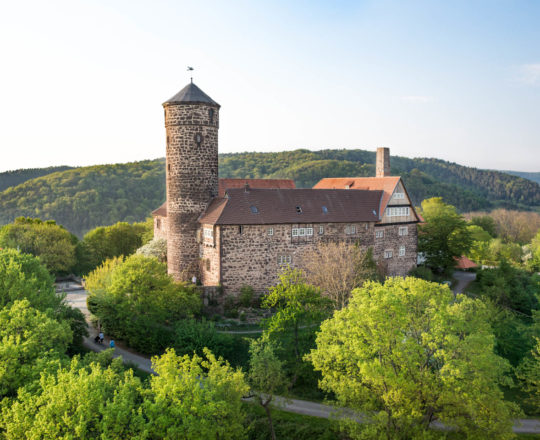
246,296
422,272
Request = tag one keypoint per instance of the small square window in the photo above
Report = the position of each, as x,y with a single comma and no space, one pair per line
295,232
402,251
299,209
379,233
270,231
388,254
403,230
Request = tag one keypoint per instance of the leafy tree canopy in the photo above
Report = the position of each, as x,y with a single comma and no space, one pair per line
443,236
53,244
406,353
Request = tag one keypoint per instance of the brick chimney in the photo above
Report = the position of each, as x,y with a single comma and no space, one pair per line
382,165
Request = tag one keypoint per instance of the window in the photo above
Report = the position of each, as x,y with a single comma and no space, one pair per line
379,233
284,259
158,223
169,167
211,115
321,230
240,229
350,229
208,233
301,232
270,231
403,230
299,209
208,264
397,212
254,210
399,196
402,251
325,210
388,254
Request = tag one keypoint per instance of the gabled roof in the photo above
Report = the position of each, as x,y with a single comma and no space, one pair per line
285,206
386,184
161,211
191,94
225,184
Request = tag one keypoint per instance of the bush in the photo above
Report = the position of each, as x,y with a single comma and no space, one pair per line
246,296
422,272
135,300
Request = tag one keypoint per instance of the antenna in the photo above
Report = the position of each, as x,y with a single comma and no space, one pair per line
190,69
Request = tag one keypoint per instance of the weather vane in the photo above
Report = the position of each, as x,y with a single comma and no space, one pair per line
190,69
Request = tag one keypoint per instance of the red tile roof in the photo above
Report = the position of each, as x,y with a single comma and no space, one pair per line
161,211
280,206
464,263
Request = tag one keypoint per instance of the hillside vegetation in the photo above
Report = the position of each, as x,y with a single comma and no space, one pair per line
535,177
83,198
16,177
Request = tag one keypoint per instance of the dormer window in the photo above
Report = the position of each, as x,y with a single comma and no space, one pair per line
254,210
299,209
325,210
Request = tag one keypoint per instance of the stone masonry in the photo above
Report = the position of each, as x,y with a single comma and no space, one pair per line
192,180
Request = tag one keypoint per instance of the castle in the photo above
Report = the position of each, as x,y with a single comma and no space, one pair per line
235,232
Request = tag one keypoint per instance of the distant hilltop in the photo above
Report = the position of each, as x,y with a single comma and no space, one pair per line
85,197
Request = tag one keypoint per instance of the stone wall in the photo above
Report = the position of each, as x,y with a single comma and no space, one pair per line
251,256
391,241
210,267
191,178
160,227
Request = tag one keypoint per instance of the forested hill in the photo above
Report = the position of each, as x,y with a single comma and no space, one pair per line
82,198
535,177
16,177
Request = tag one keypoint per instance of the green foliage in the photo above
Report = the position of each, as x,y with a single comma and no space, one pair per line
407,352
54,245
84,198
508,286
192,336
529,375
136,301
195,398
444,235
246,296
422,272
31,341
106,242
487,223
299,308
16,177
22,276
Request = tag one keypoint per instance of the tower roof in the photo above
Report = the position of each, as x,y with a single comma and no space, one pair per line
191,94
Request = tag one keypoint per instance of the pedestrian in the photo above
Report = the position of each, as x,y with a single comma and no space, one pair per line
111,344
101,337
96,340
194,279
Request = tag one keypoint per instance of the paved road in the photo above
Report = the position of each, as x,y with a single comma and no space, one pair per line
463,280
78,299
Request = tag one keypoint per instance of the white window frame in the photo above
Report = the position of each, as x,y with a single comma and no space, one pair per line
309,231
270,231
401,211
402,251
321,230
350,229
295,232
379,233
301,232
388,253
399,196
208,233
403,230
284,259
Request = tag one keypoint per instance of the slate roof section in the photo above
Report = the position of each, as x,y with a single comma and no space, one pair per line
191,94
386,184
225,184
279,206
161,211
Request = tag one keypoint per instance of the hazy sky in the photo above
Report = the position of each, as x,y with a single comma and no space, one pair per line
82,82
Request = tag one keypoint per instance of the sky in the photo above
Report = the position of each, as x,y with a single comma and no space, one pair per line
82,82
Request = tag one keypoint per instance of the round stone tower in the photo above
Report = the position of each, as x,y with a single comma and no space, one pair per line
191,123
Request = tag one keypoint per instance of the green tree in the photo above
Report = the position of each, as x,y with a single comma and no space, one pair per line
407,353
107,242
529,375
444,235
53,244
266,376
487,224
32,342
78,402
297,306
137,301
194,398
